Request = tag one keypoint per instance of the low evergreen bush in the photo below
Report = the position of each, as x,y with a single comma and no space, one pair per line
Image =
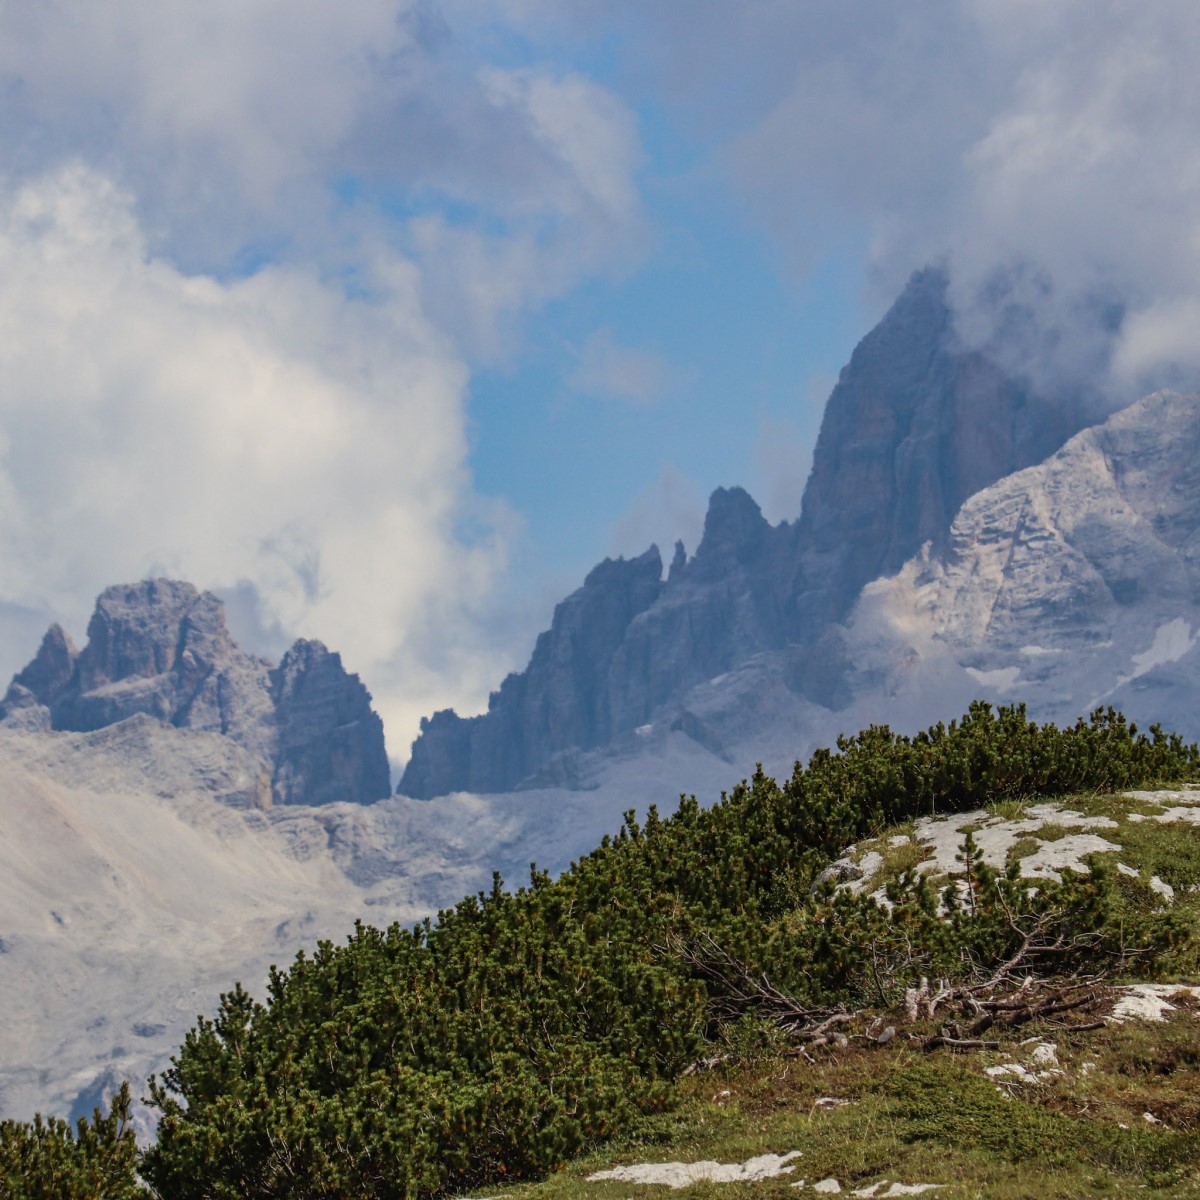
516,1030
48,1160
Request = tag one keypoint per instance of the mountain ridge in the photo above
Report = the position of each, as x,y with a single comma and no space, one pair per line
161,648
219,773
916,424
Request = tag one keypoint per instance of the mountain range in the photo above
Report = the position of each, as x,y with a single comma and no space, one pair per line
926,541
178,813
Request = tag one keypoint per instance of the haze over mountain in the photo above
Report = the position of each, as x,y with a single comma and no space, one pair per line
332,310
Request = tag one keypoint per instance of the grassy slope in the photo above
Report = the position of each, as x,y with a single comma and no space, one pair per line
938,1118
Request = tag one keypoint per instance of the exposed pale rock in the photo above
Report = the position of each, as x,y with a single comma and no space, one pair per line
885,1190
1045,1054
679,1174
1149,1001
942,839
1076,582
914,427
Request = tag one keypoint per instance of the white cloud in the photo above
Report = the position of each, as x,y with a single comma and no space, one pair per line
248,251
265,431
576,213
671,508
607,370
783,457
1045,147
302,131
209,108
588,131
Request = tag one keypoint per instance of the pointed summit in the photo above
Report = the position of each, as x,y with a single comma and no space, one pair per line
733,528
915,426
161,648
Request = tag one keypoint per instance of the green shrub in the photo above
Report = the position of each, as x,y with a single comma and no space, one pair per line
516,1030
47,1160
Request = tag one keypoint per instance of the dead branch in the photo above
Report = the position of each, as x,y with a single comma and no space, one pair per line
1011,1012
1012,995
957,1044
710,1063
739,989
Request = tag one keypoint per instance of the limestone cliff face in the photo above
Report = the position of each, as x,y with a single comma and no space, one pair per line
329,741
161,648
1084,571
560,702
914,427
713,612
1067,585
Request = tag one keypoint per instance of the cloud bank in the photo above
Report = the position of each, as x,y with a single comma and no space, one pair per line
1045,150
249,252
267,429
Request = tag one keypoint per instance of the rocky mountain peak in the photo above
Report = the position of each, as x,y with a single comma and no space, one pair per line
619,575
916,424
734,530
330,743
50,671
146,629
161,648
560,702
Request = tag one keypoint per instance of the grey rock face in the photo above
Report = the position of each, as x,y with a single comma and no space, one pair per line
915,426
1078,580
160,648
715,611
46,677
329,744
560,701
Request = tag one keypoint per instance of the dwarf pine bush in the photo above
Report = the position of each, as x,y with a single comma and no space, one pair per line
50,1160
517,1029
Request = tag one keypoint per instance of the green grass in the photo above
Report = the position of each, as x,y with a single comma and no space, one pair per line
897,858
1023,848
936,1118
1053,831
1171,851
1013,809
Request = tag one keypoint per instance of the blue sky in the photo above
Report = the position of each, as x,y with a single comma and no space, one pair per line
743,358
737,357
387,320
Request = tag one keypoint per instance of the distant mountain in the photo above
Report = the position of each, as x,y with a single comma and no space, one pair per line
161,648
915,426
138,881
1077,582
